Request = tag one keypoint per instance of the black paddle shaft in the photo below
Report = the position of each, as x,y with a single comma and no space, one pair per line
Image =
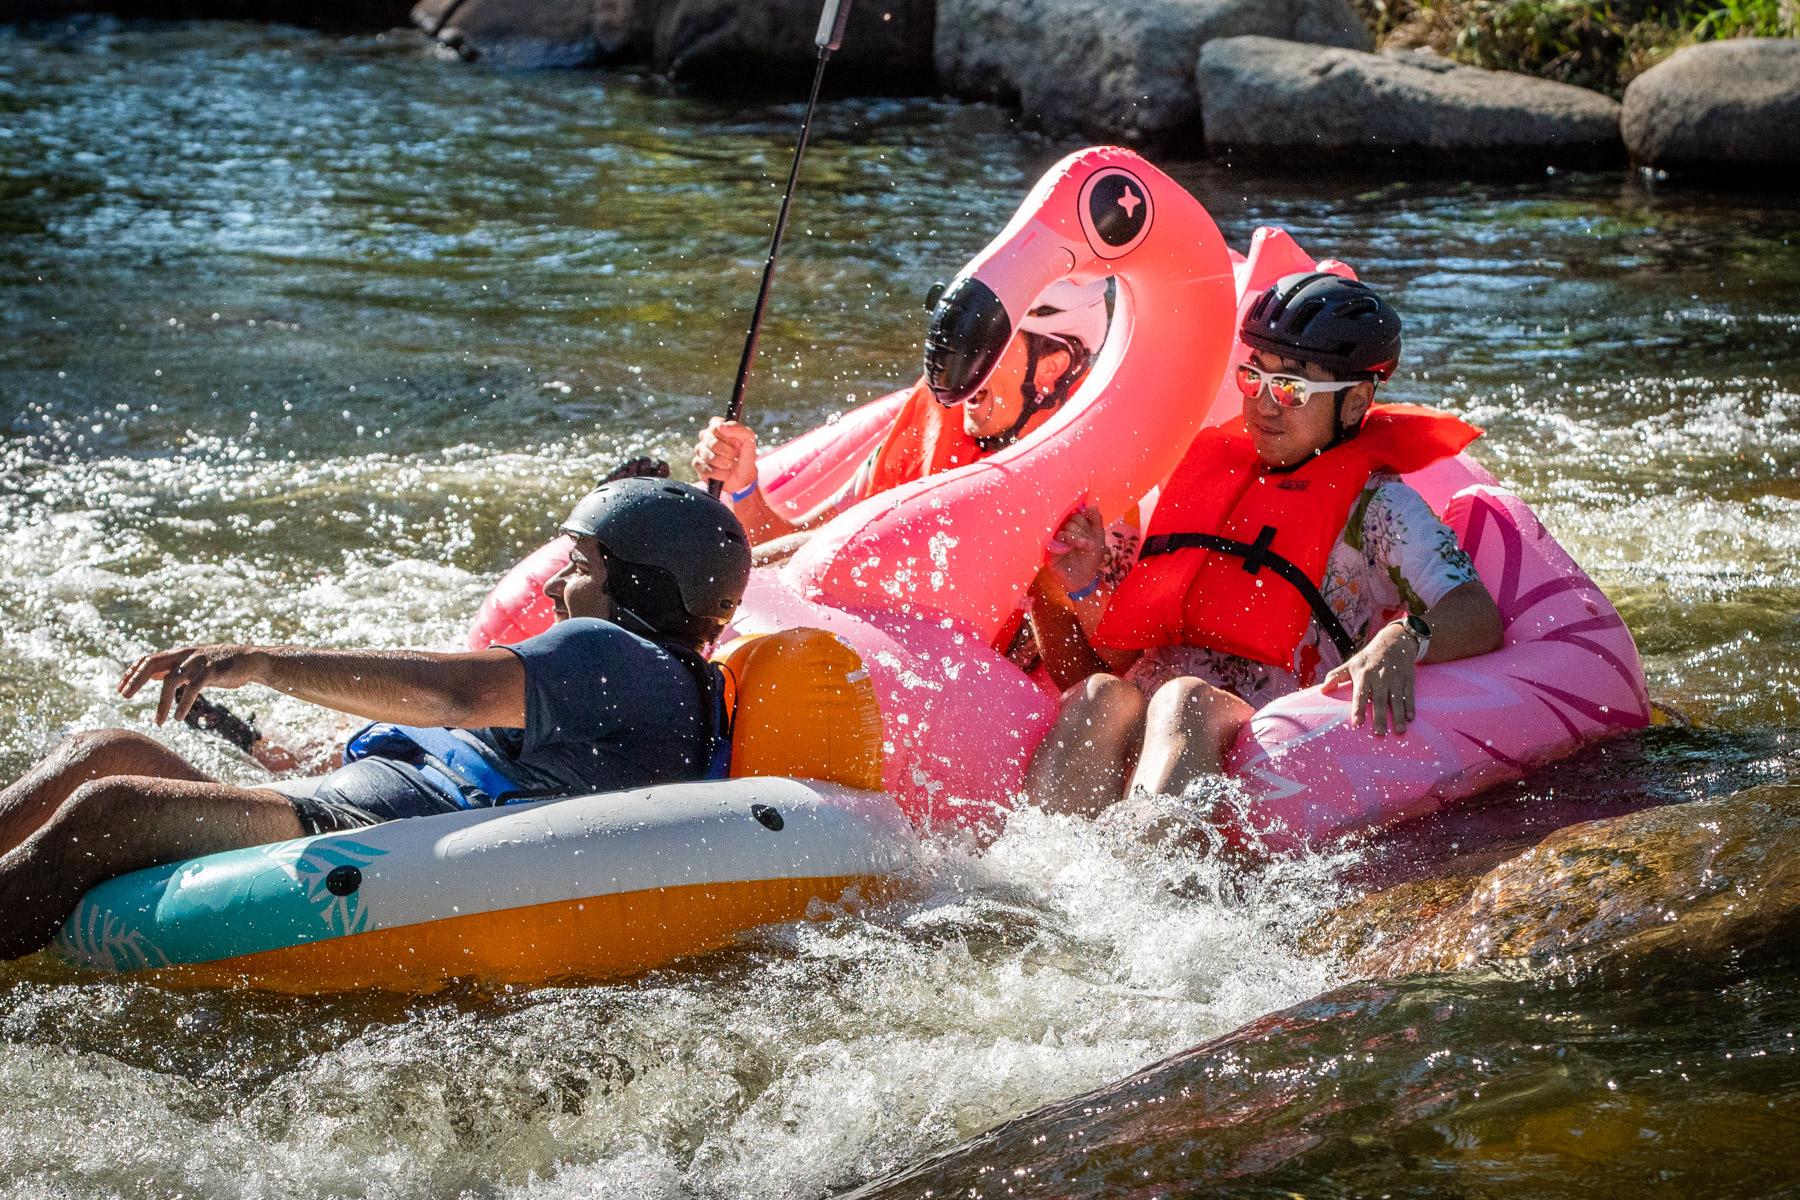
215,718
829,37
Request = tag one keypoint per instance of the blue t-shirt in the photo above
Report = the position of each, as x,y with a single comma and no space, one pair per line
604,709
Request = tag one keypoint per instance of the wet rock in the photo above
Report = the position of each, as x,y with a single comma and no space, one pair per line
1112,71
1459,1086
1722,108
1498,1079
533,33
735,45
758,44
1264,98
1705,881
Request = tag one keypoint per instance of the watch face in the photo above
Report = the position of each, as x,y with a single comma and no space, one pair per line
1417,624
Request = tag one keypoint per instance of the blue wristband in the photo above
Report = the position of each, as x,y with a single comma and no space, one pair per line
740,497
1092,587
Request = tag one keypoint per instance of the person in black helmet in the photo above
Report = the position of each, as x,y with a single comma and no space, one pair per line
1284,551
1045,362
614,695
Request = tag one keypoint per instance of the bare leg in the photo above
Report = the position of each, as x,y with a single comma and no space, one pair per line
85,757
1081,765
121,823
1189,726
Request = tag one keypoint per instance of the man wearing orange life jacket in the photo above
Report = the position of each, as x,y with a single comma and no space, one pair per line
1042,367
1275,549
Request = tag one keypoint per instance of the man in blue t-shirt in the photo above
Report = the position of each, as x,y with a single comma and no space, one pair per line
614,695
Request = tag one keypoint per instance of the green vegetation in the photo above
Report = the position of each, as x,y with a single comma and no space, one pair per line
1600,44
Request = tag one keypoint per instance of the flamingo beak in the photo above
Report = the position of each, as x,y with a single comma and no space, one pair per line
965,341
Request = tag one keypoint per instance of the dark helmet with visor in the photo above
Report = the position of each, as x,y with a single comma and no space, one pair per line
1342,324
686,545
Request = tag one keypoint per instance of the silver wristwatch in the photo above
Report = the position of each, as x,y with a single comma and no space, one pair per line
1415,625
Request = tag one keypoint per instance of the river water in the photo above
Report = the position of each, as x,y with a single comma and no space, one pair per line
310,336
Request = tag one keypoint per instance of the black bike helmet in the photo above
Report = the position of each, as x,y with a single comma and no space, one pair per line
1341,324
674,528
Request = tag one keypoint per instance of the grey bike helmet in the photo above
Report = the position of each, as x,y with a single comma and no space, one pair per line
676,528
1341,324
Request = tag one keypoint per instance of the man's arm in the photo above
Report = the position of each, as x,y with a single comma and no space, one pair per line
412,687
776,551
1062,642
760,520
1464,623
726,452
1077,560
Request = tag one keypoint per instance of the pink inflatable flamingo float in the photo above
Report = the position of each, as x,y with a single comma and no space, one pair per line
920,580
1568,674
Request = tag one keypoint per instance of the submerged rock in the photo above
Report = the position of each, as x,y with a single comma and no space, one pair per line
1123,72
1730,108
1263,98
1707,880
1458,1086
730,44
1480,1081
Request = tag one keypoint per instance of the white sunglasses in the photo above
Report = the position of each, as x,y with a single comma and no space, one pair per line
1289,391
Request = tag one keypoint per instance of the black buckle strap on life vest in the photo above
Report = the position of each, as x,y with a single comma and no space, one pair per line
709,679
1257,555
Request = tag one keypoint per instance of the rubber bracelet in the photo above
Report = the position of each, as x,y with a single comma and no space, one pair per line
1092,587
740,497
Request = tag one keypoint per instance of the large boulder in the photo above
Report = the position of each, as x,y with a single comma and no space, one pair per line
1120,72
768,44
534,33
1706,881
1558,1061
1723,107
1264,98
738,45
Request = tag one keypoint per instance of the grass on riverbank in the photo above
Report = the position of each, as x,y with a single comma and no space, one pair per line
1599,44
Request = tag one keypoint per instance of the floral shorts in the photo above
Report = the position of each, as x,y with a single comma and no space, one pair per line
1255,683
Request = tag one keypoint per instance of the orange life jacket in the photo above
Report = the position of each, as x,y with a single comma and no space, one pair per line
1235,552
926,438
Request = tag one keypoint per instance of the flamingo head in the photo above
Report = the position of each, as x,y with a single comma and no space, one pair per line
1087,213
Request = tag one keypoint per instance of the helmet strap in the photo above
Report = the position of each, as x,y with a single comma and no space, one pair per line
1036,401
632,623
1339,434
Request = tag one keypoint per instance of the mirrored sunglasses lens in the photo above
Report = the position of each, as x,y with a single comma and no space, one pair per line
1249,380
1288,391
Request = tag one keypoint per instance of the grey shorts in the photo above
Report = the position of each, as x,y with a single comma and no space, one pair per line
359,794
